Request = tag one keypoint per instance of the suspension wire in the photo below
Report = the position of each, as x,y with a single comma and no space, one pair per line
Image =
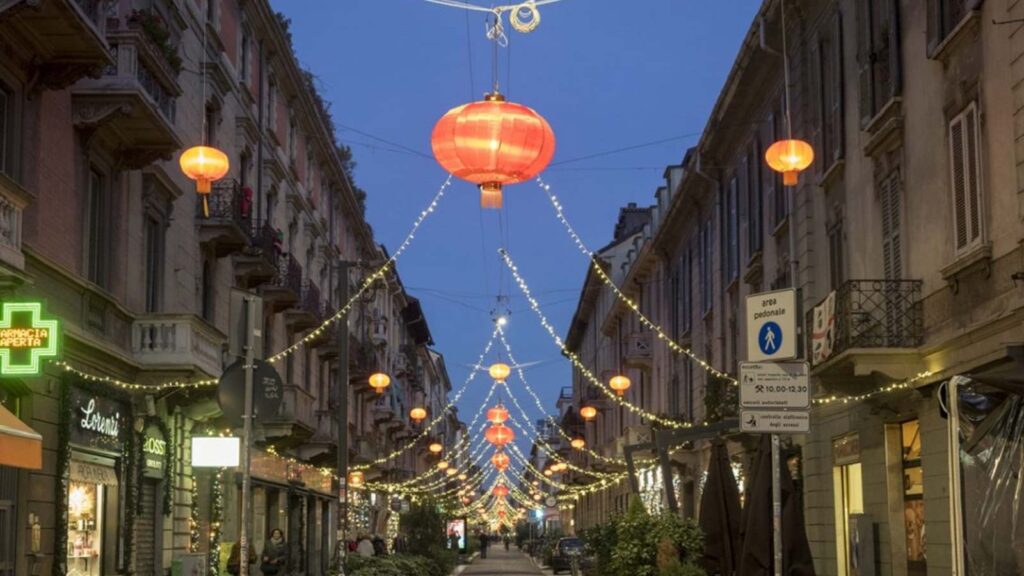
469,54
785,70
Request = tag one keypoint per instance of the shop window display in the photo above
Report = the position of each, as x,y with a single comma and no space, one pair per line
85,521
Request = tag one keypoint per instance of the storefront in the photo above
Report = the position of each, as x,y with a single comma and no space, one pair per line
91,457
154,503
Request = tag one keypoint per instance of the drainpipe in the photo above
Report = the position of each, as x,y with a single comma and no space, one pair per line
259,141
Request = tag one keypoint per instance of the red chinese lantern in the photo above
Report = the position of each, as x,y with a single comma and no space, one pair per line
502,514
499,371
500,491
379,381
205,165
435,448
588,412
499,435
418,414
791,157
493,143
578,443
620,384
498,414
500,461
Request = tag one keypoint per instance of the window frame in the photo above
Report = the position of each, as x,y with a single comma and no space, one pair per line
974,218
732,232
97,217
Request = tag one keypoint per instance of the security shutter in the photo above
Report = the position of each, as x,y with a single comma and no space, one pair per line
965,178
892,258
8,519
145,530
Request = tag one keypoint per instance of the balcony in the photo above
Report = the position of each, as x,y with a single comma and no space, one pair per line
321,448
383,411
877,327
177,342
64,38
295,421
308,311
227,230
132,105
285,290
13,200
257,263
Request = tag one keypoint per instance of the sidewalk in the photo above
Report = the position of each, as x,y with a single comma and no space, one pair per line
500,562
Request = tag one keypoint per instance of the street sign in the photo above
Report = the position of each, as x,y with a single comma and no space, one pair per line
267,391
774,385
551,501
237,328
775,421
771,325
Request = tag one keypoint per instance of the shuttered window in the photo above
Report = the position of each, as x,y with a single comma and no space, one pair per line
878,55
732,230
707,252
836,260
685,293
892,250
944,16
828,58
6,128
965,178
755,228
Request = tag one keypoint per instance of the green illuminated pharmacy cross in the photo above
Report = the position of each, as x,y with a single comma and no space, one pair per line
36,355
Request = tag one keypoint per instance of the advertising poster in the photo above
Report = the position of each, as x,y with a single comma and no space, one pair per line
457,535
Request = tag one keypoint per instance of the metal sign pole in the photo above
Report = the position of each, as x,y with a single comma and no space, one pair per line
250,324
342,407
776,505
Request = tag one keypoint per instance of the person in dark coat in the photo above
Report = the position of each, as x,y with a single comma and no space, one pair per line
235,558
483,545
275,554
380,548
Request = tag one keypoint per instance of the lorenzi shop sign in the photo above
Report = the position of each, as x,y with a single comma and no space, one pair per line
108,425
26,338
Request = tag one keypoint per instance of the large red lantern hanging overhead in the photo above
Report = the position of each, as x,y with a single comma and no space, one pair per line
498,414
500,461
205,165
499,435
493,143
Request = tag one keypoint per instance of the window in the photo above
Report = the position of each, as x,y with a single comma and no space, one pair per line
272,103
245,57
291,139
848,499
754,217
944,16
97,228
829,68
706,266
836,263
685,292
878,55
210,125
244,165
965,173
211,11
6,130
913,497
153,231
892,250
732,233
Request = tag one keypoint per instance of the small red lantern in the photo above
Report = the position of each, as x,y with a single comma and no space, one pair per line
619,384
418,414
493,143
499,435
791,157
498,414
500,461
205,165
500,491
588,413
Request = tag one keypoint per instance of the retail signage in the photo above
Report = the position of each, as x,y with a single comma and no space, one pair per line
92,473
267,391
215,452
774,385
96,421
775,421
26,338
823,329
154,448
771,325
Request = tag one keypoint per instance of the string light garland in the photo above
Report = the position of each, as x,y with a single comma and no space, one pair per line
65,366
631,304
535,306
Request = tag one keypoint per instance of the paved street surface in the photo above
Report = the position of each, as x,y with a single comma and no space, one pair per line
498,561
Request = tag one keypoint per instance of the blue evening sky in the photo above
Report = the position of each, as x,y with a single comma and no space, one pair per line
606,74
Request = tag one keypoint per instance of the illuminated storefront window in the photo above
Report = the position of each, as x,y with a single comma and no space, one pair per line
848,498
913,497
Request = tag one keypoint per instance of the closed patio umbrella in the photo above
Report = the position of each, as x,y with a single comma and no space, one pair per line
756,557
720,514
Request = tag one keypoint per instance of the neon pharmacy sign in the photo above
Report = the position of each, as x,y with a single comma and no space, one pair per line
26,339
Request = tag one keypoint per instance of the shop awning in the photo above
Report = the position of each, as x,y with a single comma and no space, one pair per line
20,446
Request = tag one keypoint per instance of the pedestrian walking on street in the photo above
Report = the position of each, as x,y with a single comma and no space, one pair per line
275,554
380,548
483,545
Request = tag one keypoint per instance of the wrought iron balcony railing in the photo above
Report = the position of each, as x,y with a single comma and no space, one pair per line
289,274
229,201
873,314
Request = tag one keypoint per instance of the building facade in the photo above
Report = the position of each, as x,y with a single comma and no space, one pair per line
97,101
903,240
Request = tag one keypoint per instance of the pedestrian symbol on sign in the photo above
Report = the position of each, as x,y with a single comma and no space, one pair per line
769,339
